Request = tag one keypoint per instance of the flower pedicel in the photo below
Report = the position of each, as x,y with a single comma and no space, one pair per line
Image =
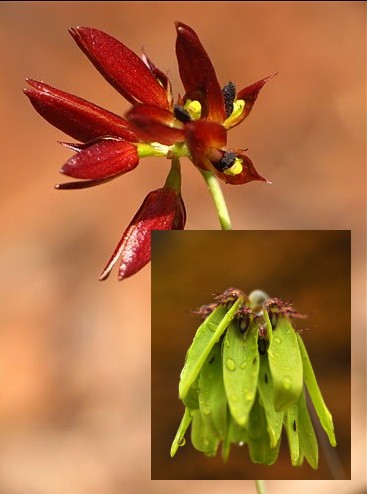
195,127
244,379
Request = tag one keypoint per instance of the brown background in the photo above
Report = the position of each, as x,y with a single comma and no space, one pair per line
75,353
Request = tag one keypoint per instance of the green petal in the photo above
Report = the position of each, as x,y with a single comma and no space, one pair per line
212,396
179,439
240,370
307,436
291,428
191,400
274,419
285,365
322,411
235,435
206,337
202,437
258,437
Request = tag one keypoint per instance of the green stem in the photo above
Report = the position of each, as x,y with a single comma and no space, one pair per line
260,487
218,198
173,180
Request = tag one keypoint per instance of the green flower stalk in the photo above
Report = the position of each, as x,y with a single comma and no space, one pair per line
244,382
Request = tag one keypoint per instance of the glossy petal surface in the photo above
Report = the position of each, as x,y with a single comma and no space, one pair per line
153,124
198,74
157,212
106,158
120,66
203,138
75,116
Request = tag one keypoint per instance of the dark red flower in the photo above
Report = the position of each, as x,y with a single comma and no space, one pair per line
162,209
109,145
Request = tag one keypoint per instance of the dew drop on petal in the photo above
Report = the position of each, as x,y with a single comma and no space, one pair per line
206,410
182,442
230,363
277,340
243,365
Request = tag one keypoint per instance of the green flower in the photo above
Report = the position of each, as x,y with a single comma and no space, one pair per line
244,379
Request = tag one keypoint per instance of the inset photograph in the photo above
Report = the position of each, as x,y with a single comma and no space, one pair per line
251,355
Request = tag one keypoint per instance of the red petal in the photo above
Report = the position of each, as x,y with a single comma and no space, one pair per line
157,212
82,184
249,95
248,173
106,158
198,74
120,66
203,138
160,76
153,124
76,117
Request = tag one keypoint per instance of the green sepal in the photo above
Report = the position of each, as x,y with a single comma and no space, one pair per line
291,428
307,437
191,400
274,419
179,439
285,365
258,437
202,437
240,370
212,396
235,435
322,411
206,337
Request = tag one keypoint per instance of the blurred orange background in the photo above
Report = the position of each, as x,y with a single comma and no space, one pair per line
75,353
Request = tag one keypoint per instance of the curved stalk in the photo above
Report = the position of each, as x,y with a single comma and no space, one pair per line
218,198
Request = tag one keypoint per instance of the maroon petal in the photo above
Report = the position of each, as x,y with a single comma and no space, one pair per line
158,212
76,117
198,74
160,76
248,173
203,139
82,184
153,124
249,95
106,158
120,66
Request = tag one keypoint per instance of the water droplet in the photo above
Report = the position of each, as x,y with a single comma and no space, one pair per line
182,442
226,342
277,340
249,395
231,365
206,410
243,365
286,382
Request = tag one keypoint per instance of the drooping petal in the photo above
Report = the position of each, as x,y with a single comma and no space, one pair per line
153,124
106,158
120,66
203,138
158,212
82,184
248,173
198,74
249,94
75,116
